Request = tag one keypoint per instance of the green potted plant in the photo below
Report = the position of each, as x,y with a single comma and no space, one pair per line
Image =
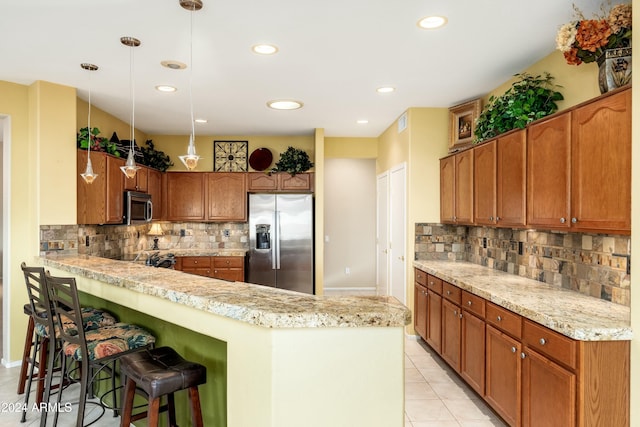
528,99
98,143
155,158
293,161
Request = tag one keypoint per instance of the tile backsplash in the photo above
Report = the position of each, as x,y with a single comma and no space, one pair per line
593,264
113,241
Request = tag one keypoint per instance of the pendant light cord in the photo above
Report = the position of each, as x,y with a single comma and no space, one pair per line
89,123
133,98
193,128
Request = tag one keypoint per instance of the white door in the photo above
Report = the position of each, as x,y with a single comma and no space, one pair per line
397,233
382,235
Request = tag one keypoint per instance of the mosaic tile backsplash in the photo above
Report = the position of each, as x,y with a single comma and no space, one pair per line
593,264
114,241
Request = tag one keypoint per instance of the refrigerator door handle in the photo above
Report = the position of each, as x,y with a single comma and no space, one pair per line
274,241
277,240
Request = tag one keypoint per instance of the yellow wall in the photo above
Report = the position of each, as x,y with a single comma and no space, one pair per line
359,148
106,123
393,148
176,145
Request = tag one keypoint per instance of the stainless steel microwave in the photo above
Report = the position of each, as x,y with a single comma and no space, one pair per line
138,207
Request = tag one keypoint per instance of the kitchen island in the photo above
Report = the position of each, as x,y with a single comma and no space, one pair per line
291,359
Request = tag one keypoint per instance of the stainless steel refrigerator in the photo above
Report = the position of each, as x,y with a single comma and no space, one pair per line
281,241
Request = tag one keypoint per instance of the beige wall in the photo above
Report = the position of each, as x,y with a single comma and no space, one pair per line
176,145
106,123
352,148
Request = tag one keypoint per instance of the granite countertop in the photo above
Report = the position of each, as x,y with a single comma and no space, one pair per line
197,252
253,304
570,313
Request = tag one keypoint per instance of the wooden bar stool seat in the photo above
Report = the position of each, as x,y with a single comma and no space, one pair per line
159,372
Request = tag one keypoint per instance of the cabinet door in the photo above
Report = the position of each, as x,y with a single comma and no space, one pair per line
115,186
512,180
185,196
472,351
260,181
447,190
451,332
154,188
464,187
434,321
484,183
548,392
601,165
227,196
228,268
138,182
91,198
503,375
420,310
548,177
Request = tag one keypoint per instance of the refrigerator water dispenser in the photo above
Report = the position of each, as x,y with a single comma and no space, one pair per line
263,238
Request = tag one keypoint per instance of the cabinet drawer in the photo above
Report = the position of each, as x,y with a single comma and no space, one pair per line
434,284
228,261
550,343
504,319
420,276
473,303
196,262
451,292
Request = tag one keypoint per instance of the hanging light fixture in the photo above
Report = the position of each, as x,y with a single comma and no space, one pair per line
130,168
190,160
88,174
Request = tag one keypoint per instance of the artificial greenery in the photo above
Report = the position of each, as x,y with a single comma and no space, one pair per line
293,161
528,99
155,158
98,143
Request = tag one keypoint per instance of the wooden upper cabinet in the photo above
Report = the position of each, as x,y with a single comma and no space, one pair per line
92,198
260,181
115,185
138,182
464,187
511,180
280,182
484,182
601,165
300,182
186,196
447,190
548,172
154,188
227,195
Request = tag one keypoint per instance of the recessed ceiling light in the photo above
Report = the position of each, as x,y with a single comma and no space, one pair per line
432,22
362,121
174,65
201,120
284,104
385,89
264,49
166,88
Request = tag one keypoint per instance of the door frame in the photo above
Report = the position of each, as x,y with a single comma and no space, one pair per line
380,260
402,167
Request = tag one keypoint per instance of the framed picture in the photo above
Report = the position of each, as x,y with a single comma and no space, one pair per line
230,156
463,124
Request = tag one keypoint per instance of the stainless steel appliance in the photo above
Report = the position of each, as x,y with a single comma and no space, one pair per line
138,208
281,241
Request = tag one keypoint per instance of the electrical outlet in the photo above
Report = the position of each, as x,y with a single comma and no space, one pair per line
86,240
183,232
484,242
225,233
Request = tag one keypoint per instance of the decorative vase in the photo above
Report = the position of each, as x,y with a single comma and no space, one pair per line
614,68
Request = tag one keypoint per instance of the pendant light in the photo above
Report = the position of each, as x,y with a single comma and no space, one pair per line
130,168
88,174
190,160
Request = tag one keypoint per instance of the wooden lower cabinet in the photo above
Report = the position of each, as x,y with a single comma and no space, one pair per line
434,320
420,310
548,392
451,333
472,351
503,375
229,268
529,374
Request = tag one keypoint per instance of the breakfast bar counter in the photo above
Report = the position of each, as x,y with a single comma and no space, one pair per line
289,356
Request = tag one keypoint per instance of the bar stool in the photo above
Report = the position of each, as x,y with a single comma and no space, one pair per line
158,372
37,339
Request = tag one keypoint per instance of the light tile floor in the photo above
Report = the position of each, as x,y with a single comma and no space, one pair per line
434,397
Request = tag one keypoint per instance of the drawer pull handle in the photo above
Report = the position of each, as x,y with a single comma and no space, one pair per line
448,292
543,341
522,355
513,349
455,312
499,318
469,303
562,220
460,315
431,283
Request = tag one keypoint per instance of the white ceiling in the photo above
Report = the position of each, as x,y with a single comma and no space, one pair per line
333,55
